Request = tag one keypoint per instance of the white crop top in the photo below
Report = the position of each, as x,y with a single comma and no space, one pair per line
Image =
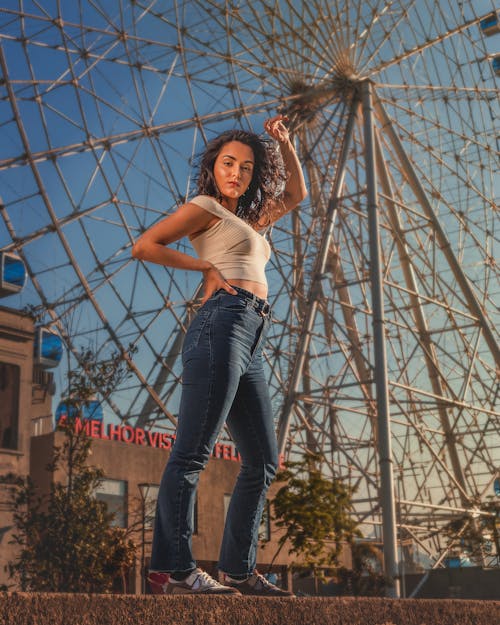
233,246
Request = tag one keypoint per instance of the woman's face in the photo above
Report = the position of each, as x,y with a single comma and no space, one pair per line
233,169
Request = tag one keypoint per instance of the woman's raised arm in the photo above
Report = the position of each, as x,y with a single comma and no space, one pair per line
295,187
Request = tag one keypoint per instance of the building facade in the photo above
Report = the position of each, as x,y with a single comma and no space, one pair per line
25,410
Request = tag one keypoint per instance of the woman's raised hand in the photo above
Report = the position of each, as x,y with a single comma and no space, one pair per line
275,127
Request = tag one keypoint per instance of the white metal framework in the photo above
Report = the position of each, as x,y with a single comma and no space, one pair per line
384,282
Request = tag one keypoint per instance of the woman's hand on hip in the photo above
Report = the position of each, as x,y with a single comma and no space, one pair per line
213,281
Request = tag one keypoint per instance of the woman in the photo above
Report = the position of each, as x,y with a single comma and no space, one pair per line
243,189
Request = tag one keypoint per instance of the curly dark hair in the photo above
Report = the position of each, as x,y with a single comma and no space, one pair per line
268,177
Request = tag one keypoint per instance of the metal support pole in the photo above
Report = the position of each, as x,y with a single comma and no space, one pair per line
401,546
389,532
144,491
143,549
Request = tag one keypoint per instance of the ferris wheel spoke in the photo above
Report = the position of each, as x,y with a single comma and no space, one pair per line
364,59
418,49
459,91
133,135
457,211
464,179
284,66
459,133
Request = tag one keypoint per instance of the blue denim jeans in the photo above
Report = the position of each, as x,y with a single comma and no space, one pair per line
223,381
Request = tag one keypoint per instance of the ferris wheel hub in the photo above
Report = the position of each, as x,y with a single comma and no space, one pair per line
307,100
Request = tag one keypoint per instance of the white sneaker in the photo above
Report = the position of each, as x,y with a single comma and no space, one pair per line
197,582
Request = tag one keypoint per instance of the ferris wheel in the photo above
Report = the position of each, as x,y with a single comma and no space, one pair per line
384,282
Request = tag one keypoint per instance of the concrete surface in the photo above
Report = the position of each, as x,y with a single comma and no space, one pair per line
74,609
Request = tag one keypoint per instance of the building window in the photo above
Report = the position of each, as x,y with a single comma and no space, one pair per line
114,494
149,495
265,524
10,377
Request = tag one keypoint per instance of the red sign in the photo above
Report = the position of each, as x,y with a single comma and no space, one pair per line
147,438
121,433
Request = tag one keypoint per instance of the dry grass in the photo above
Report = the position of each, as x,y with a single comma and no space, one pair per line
57,609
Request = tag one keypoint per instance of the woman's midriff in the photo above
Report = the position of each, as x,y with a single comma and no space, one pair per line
258,289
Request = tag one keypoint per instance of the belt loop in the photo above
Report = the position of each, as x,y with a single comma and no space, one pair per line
261,306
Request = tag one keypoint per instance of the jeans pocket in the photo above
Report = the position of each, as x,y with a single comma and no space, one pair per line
195,330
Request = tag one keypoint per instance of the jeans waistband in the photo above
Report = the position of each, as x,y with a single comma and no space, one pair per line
260,305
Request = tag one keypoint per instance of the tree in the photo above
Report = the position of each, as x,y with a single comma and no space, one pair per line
366,576
66,539
314,513
478,538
